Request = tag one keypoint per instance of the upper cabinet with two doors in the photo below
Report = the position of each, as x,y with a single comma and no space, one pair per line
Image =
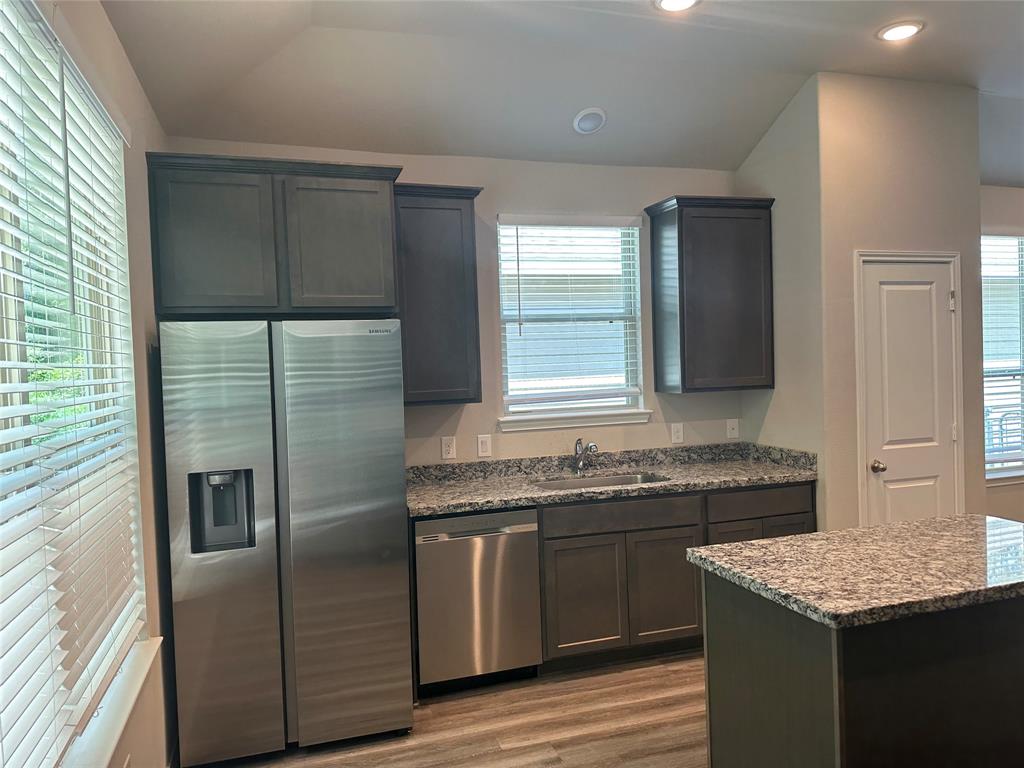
238,235
711,270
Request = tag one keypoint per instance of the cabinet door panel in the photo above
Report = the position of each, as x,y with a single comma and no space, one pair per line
789,525
664,589
214,240
340,242
727,298
744,505
438,299
585,604
741,530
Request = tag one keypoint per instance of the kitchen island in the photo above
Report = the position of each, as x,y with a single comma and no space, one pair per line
895,645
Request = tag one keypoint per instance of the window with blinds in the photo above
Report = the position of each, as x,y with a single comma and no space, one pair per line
71,600
1002,291
570,318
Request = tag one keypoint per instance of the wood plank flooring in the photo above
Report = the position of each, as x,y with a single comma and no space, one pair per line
644,714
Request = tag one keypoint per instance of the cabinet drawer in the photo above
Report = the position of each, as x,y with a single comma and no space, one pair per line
788,525
745,505
614,516
737,530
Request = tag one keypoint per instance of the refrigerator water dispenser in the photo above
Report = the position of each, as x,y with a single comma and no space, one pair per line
220,503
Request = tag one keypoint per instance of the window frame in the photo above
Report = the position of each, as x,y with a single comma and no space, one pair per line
1013,474
78,506
575,410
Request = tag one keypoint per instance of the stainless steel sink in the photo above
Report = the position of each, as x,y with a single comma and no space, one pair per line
599,481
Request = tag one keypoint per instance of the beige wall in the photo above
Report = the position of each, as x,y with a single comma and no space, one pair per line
785,165
1002,213
899,171
513,186
86,32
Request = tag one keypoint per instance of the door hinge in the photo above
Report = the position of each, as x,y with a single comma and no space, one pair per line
954,431
952,301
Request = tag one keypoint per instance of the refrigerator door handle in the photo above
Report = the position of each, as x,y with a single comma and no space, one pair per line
284,537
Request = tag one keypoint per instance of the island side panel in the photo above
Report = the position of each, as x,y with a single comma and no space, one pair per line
771,682
937,689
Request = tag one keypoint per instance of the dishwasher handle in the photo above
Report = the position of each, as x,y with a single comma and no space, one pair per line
504,530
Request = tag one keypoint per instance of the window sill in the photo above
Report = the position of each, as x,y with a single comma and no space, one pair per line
96,744
1005,477
528,422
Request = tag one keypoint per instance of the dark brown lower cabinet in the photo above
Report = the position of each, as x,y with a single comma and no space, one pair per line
664,589
788,525
737,530
585,594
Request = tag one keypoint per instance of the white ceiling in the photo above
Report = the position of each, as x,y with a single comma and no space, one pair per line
503,78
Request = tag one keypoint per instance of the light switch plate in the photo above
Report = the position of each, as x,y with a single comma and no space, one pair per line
448,447
732,428
677,432
483,446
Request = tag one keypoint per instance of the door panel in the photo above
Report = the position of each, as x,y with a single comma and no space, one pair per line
585,604
664,589
909,377
345,457
740,530
227,639
341,242
788,525
727,304
214,246
440,323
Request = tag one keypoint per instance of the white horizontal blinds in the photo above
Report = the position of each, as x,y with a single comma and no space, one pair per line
70,592
1002,279
570,317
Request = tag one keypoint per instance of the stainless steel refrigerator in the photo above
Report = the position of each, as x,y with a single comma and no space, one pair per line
288,532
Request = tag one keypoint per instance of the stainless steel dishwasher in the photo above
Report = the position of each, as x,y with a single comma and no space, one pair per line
478,594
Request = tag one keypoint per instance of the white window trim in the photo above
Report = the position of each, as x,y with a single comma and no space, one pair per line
995,478
632,414
96,744
535,421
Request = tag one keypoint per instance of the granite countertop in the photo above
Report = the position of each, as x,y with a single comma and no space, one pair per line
478,486
859,576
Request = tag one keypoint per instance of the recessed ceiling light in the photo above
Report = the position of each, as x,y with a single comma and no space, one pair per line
901,30
675,6
589,120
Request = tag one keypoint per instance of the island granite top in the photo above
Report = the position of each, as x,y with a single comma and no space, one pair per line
439,489
859,576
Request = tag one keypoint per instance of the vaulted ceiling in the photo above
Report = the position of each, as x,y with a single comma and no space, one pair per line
504,78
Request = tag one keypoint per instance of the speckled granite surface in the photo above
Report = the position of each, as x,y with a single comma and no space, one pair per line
438,489
867,575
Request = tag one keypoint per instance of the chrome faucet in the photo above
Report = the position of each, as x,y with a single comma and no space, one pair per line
581,454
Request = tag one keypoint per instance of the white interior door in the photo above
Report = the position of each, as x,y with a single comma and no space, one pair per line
910,368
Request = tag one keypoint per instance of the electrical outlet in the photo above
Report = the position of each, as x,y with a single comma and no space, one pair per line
448,447
732,428
677,432
483,446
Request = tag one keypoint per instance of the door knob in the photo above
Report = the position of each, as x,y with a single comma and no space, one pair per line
877,466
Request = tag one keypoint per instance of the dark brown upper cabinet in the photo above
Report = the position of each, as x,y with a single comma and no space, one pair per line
341,242
213,240
711,272
438,293
269,237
